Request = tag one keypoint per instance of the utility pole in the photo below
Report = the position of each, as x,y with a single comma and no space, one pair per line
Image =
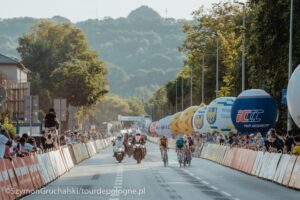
289,120
202,79
176,96
191,79
217,69
243,42
181,93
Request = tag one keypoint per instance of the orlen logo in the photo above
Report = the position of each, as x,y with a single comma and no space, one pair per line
249,116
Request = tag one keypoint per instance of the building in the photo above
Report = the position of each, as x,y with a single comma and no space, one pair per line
14,79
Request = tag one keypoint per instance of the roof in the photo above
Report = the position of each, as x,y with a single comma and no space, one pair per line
5,60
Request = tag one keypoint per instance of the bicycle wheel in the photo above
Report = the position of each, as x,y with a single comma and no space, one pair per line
165,159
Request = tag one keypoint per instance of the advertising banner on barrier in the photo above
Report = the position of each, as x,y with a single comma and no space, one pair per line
282,165
32,172
295,178
44,174
23,174
68,157
5,184
289,170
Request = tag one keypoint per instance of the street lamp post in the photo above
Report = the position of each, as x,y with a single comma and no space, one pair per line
243,43
202,84
181,93
176,96
191,79
289,120
217,69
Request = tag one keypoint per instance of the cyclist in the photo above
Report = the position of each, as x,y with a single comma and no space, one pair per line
190,143
179,143
163,144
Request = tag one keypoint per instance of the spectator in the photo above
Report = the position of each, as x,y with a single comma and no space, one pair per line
32,142
49,144
296,149
7,154
274,143
24,147
218,137
259,141
25,135
62,140
3,140
289,142
43,140
67,137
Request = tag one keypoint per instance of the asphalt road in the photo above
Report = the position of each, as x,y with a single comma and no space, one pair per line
101,177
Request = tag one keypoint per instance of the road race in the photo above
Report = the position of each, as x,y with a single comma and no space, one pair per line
149,99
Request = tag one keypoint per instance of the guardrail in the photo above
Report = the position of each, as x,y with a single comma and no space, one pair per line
283,169
24,175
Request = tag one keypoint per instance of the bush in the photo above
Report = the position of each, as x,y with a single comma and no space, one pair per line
9,127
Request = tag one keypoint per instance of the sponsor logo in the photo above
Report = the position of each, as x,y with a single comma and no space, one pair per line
199,121
249,116
211,115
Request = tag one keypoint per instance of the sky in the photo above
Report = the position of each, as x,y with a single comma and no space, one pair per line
80,10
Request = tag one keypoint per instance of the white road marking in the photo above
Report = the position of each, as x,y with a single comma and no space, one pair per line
214,188
204,182
225,193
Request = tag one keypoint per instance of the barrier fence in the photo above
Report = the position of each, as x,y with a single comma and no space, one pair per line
24,175
280,168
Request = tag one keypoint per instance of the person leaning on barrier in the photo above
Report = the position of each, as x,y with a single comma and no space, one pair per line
274,143
49,144
259,141
296,148
7,154
3,140
24,148
289,142
43,140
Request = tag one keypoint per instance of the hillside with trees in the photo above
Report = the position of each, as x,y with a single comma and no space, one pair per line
140,51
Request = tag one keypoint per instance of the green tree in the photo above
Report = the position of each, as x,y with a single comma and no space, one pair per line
62,64
136,107
268,37
9,127
81,82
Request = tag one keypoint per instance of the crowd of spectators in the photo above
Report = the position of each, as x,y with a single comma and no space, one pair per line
272,142
23,145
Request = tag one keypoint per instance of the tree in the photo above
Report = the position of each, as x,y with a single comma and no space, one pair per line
81,82
110,107
268,47
62,64
136,107
9,127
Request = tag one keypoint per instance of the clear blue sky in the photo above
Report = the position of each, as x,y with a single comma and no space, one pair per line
79,10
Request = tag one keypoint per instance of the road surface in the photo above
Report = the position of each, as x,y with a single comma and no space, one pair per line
101,176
